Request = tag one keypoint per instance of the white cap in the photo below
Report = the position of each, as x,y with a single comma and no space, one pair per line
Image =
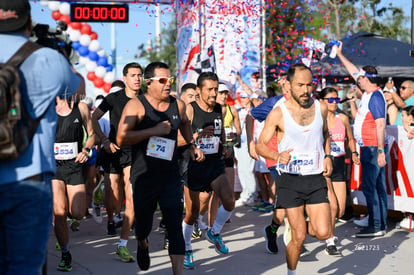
222,87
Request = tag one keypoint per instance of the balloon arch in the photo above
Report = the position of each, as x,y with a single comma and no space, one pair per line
85,43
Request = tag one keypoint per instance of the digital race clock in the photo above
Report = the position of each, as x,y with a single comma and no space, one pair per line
99,13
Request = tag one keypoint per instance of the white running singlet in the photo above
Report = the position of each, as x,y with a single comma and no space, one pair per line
307,144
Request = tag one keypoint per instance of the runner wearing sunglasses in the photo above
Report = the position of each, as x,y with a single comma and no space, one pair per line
340,132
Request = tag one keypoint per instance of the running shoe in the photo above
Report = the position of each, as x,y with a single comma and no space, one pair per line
287,234
65,262
96,214
118,220
189,260
111,229
143,259
331,250
369,232
197,233
304,252
124,255
74,225
258,205
271,236
267,208
97,194
220,247
57,246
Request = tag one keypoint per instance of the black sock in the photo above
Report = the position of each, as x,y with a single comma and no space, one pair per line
274,225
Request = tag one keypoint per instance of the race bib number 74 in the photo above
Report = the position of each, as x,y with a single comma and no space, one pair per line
161,148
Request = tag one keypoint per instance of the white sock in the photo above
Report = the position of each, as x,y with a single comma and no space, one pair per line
330,241
187,232
291,272
222,216
122,242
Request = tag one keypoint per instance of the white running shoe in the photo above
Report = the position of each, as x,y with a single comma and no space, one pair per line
362,222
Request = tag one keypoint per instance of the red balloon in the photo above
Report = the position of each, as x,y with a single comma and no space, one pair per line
98,82
107,87
75,25
91,76
94,36
65,18
86,29
56,15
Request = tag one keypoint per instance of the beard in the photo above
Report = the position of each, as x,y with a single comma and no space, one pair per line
301,101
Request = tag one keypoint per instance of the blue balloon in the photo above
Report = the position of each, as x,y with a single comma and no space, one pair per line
75,45
83,51
109,68
102,61
93,55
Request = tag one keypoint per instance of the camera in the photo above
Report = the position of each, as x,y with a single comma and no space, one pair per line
55,39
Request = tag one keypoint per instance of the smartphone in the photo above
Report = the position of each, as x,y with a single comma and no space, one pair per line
389,79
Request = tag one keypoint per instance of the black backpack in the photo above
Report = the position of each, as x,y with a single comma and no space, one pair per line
16,126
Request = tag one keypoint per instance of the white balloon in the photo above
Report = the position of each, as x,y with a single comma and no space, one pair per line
54,5
90,66
100,71
75,35
44,3
101,52
94,46
85,40
109,77
64,8
83,60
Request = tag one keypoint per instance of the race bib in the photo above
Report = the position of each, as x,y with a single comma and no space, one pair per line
161,148
337,148
209,145
66,150
301,164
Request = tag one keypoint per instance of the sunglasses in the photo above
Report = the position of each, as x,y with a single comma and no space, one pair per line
403,88
164,80
333,99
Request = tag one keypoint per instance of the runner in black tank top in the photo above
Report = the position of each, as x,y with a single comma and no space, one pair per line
207,124
150,124
69,192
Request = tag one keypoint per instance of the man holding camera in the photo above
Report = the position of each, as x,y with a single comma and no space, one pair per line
25,187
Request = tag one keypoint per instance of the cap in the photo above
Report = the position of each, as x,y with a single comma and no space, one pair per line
13,15
222,88
361,72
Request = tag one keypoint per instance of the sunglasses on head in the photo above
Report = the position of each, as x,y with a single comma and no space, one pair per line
164,80
333,99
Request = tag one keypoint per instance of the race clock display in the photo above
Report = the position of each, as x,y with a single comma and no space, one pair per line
99,13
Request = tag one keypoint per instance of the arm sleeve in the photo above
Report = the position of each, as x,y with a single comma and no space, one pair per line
377,105
260,112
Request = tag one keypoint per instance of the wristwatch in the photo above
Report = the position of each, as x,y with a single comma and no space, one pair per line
355,152
381,151
329,156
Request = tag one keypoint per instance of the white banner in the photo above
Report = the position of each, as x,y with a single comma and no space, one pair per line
232,28
399,173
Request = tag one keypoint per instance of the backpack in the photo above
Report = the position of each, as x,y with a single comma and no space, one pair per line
17,128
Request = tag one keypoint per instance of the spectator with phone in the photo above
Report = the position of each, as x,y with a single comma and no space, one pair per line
404,99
